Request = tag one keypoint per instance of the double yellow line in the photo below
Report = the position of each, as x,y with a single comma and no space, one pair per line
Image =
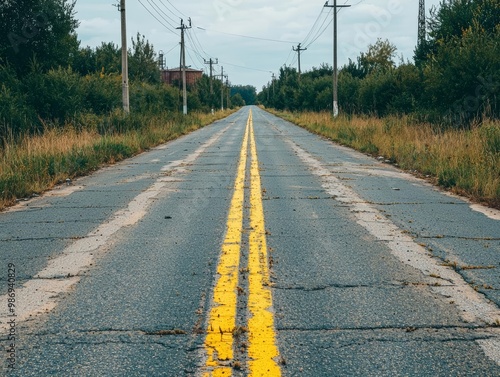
219,342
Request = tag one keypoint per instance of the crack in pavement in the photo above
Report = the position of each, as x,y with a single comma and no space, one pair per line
70,238
43,295
353,286
471,328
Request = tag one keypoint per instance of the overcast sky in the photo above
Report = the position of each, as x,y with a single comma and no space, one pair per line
279,24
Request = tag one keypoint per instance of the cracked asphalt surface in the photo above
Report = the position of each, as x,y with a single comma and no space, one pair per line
344,303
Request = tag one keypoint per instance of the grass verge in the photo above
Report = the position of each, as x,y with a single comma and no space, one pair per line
467,162
33,164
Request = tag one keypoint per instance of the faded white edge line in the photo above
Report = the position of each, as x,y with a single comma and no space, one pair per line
491,213
472,306
41,294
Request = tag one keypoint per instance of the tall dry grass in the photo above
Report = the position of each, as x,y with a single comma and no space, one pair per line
464,161
31,165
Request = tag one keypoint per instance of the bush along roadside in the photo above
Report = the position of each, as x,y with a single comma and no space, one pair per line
467,162
30,165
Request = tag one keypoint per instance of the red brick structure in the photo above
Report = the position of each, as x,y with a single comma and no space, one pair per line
169,76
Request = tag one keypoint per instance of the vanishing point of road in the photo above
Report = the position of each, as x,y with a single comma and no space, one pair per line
250,248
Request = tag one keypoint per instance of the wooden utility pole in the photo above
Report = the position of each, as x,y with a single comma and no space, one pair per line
335,76
183,65
125,88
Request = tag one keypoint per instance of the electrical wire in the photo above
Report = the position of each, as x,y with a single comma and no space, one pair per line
189,55
169,51
252,69
200,57
161,12
173,6
196,43
157,19
246,36
306,39
288,57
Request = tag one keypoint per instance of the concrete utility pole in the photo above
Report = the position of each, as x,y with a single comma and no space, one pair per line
211,62
335,77
222,89
421,23
228,91
298,50
125,91
183,65
274,79
222,76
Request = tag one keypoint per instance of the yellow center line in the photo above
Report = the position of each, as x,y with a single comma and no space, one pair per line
262,349
222,319
219,342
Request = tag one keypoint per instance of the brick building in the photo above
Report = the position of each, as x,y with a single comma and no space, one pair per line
170,76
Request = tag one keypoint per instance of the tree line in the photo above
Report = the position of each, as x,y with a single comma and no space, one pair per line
47,78
454,79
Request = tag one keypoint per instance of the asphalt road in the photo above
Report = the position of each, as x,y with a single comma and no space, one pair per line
250,248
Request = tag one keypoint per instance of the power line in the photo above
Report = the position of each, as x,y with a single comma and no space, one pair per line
246,36
157,19
306,39
190,57
177,45
161,12
194,47
196,44
240,66
170,10
173,6
321,32
288,57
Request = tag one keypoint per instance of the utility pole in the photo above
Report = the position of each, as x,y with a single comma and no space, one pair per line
222,88
211,62
298,50
335,77
274,79
183,65
421,23
125,92
228,91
